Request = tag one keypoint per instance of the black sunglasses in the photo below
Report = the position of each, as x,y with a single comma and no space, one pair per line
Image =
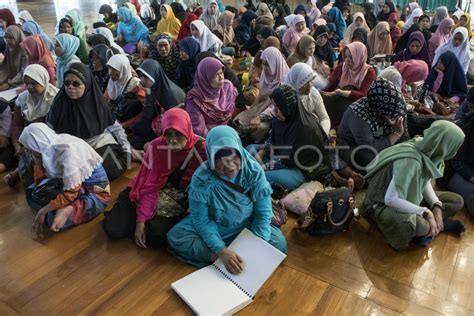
75,84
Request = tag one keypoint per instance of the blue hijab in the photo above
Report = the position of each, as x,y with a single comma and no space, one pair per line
69,43
35,29
207,185
166,92
187,68
132,29
454,80
243,30
336,17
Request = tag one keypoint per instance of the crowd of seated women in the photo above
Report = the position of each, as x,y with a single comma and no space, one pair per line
319,94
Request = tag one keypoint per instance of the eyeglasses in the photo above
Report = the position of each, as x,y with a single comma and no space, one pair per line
75,84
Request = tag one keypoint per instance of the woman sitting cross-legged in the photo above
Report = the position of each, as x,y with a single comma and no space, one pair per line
348,82
156,198
31,106
80,109
400,197
297,138
227,194
124,92
161,95
211,102
372,124
71,186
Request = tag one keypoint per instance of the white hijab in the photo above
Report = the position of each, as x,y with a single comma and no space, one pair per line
206,39
462,52
289,19
110,37
25,16
64,156
415,14
35,107
121,63
299,75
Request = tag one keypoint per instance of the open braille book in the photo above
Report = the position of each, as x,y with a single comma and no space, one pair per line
214,291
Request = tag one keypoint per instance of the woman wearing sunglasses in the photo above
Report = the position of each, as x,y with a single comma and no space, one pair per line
80,109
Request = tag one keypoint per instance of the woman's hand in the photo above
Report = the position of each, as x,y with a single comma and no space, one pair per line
261,155
232,261
398,125
4,141
433,225
342,93
438,215
4,86
140,238
255,123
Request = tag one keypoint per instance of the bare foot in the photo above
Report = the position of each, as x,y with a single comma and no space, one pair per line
61,217
12,178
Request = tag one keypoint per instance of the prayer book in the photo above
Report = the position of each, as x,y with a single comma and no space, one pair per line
212,290
6,97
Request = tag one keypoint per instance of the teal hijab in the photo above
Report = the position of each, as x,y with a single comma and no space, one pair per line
79,29
417,161
69,43
206,183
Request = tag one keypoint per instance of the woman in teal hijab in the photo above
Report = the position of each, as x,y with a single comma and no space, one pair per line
218,211
65,47
400,197
130,29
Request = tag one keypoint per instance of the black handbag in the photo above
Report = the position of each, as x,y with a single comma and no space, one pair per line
47,190
329,212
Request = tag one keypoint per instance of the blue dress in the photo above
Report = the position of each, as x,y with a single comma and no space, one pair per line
218,213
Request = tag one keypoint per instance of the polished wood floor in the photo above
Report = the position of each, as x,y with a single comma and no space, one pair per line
81,271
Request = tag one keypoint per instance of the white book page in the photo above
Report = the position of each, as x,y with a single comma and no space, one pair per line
208,292
9,95
260,260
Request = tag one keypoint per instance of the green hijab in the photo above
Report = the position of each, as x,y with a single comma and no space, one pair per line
207,185
419,160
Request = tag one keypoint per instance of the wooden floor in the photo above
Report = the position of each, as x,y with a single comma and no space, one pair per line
81,271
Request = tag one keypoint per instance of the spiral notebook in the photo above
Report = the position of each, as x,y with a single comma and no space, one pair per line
214,291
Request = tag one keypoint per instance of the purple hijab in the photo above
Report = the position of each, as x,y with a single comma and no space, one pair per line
423,54
218,104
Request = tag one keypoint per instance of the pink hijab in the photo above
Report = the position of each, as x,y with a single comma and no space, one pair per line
218,104
278,68
440,37
412,70
355,76
291,37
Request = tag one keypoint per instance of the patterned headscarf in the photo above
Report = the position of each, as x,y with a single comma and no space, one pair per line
383,101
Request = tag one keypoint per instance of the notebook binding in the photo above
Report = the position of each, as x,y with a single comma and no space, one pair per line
231,280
